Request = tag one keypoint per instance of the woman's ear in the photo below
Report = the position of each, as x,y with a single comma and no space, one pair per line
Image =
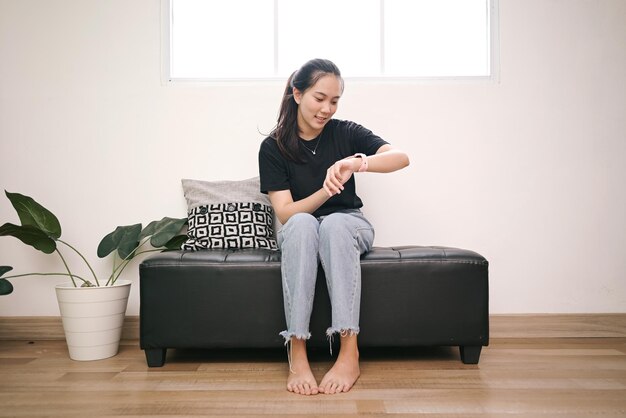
297,95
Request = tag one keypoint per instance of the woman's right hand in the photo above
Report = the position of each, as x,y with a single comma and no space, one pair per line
338,174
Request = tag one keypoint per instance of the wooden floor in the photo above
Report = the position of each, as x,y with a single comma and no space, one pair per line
567,377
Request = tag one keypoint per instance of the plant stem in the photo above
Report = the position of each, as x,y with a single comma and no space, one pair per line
121,268
66,267
44,274
125,262
113,277
84,259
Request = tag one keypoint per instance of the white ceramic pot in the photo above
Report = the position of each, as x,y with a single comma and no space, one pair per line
93,318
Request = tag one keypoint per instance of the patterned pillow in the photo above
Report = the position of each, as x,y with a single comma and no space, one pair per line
228,214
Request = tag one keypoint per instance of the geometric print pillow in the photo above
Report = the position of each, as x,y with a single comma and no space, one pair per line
231,225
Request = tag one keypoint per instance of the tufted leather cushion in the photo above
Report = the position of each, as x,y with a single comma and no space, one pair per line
377,254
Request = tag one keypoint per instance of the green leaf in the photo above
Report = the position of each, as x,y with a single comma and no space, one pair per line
176,242
148,230
30,235
162,231
32,213
5,287
124,239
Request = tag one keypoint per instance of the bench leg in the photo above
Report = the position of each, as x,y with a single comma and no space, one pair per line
470,354
155,357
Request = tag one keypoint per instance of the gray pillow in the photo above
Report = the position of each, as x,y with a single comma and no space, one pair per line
228,214
198,192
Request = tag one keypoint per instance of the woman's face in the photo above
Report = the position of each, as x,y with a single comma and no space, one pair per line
317,105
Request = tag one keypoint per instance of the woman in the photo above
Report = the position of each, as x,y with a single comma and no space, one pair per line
306,168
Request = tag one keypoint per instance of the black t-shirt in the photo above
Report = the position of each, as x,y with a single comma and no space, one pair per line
339,139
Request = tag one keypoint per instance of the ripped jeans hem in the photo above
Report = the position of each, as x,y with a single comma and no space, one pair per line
298,335
343,332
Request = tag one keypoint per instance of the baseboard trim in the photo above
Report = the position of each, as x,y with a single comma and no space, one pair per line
23,328
558,325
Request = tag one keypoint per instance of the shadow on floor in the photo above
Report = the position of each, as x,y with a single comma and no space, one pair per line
235,355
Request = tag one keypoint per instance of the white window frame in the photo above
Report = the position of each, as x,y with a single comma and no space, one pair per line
493,54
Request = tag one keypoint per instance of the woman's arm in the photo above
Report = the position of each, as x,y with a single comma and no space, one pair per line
285,207
386,160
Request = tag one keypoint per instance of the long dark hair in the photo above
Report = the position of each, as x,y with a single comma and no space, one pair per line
286,130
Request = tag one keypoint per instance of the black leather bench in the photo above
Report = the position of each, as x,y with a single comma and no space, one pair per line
411,296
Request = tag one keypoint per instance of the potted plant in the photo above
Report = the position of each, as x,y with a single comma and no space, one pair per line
92,310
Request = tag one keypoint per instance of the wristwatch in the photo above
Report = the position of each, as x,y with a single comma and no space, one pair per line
363,158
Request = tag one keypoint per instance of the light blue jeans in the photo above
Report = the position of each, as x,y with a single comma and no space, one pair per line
337,242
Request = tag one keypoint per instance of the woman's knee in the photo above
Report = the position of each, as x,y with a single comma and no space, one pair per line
347,228
302,220
302,226
336,224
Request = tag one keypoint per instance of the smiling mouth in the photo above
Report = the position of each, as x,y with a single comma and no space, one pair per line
322,120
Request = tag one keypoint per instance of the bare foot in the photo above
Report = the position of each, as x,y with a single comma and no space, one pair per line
342,376
301,379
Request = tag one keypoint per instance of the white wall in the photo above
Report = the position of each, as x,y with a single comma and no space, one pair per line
529,171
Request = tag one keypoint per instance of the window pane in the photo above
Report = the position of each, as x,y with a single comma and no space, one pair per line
425,38
231,39
222,39
345,31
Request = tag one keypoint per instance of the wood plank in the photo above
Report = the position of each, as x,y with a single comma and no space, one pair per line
545,377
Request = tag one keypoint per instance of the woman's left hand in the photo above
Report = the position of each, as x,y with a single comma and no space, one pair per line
337,175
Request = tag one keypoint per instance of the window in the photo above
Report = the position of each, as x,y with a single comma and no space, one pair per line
267,39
